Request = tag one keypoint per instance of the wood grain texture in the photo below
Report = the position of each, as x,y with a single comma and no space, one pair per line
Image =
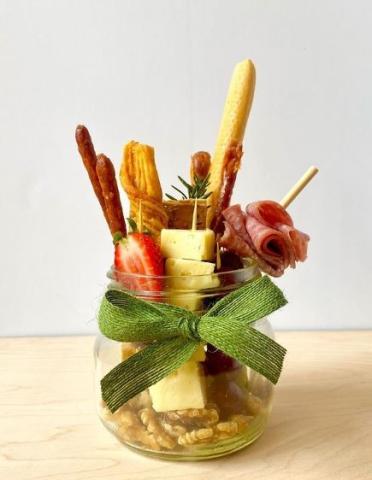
321,425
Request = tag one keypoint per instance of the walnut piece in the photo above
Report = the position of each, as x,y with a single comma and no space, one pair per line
198,417
227,427
174,430
195,436
131,430
254,404
149,419
241,420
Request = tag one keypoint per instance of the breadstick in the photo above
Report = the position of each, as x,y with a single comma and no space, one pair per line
234,119
88,155
106,176
200,164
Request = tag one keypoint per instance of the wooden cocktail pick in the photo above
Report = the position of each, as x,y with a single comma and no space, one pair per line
298,187
195,215
218,257
139,218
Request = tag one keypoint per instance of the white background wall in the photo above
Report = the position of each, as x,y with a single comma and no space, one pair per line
157,71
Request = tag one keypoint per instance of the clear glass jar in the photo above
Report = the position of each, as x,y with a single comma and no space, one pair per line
236,400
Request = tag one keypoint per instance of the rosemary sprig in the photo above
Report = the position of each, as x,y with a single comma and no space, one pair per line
197,190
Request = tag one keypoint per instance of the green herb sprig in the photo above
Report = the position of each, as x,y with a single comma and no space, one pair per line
197,190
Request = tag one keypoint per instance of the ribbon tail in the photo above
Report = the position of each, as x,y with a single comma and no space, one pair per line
144,369
248,346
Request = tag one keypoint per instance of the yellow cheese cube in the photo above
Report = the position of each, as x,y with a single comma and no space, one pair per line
191,301
189,244
182,389
190,274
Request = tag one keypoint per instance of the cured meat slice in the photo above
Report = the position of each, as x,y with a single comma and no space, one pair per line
233,242
299,241
232,160
269,244
265,233
269,213
235,217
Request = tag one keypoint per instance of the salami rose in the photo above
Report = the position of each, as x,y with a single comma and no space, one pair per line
265,233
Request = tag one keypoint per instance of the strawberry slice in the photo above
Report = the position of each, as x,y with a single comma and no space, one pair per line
138,254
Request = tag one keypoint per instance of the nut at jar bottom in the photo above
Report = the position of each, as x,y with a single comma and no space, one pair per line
229,415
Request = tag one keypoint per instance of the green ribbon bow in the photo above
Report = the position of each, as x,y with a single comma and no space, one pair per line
175,334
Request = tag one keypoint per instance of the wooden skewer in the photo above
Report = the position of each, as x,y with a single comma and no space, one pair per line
139,218
218,257
195,215
298,187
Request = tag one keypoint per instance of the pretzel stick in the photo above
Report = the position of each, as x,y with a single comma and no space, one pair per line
106,176
88,155
298,187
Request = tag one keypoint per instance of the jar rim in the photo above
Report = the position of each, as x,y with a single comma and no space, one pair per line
250,265
166,286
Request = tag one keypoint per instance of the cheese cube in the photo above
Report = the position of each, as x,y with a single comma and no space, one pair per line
191,301
182,389
189,244
190,274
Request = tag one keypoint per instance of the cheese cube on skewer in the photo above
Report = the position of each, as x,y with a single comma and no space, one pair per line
188,244
188,277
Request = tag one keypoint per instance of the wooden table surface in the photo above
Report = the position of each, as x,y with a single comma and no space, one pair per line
320,428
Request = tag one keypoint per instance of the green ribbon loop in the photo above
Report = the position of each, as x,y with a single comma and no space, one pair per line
174,334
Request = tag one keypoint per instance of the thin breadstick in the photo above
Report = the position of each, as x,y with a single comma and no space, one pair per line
106,176
88,155
298,187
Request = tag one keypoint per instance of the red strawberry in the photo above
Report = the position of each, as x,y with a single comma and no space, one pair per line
138,254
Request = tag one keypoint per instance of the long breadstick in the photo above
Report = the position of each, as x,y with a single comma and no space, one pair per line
106,176
298,187
234,119
88,155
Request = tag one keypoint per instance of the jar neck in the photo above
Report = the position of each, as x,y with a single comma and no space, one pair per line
188,291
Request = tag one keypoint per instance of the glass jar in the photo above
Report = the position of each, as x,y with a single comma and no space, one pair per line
211,406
